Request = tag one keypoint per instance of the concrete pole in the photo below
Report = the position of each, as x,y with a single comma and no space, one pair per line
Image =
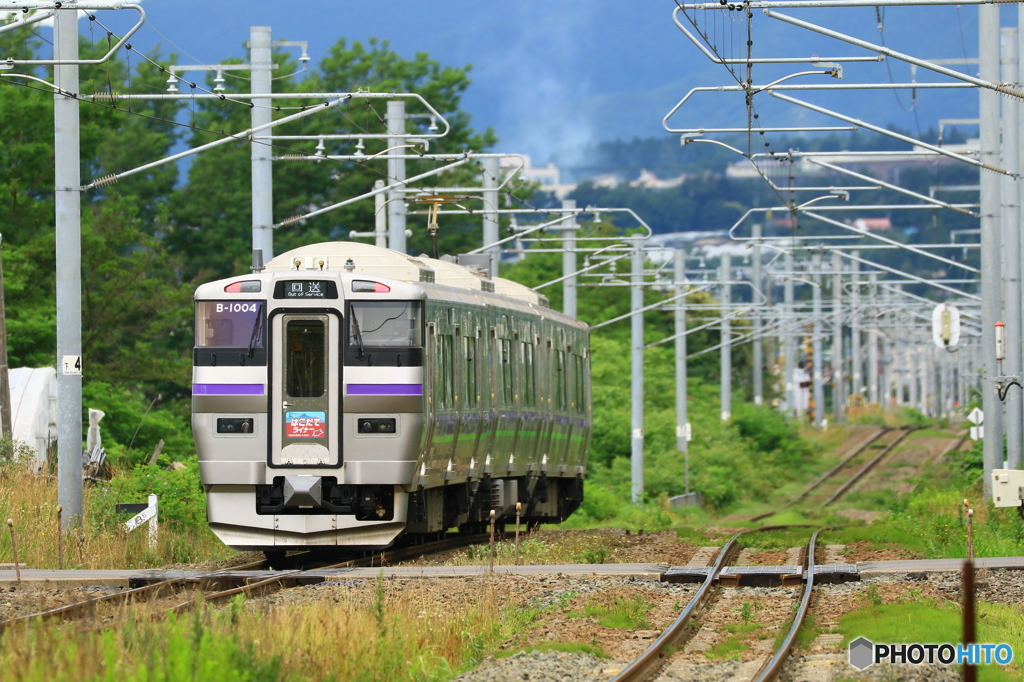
569,260
725,395
988,110
908,362
67,170
873,338
817,387
838,385
489,168
1010,227
380,216
636,301
758,349
262,165
856,363
788,334
395,121
682,418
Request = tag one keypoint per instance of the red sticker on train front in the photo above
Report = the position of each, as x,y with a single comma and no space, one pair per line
305,424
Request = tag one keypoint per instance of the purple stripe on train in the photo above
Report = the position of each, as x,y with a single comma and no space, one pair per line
228,389
385,389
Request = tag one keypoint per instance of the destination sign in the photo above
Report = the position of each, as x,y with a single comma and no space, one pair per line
306,288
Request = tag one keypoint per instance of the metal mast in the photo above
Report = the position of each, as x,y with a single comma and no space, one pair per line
67,173
262,165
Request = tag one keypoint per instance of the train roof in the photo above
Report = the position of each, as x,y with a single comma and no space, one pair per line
370,260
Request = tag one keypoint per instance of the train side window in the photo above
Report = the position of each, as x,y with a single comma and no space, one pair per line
446,372
306,361
529,382
507,393
470,366
560,381
578,387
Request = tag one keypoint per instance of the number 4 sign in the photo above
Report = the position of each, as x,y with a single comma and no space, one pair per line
72,365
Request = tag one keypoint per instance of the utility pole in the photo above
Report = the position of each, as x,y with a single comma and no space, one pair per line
260,63
726,387
911,365
838,386
6,425
857,366
489,168
682,418
67,175
988,116
380,216
873,338
789,340
758,350
1010,227
817,387
569,266
395,122
636,302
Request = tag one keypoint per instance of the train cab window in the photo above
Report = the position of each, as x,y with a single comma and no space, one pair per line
230,324
305,361
383,324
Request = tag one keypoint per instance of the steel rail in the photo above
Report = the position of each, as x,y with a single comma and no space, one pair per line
773,667
652,658
120,597
864,470
825,476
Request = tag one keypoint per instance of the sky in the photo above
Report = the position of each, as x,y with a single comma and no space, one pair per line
552,75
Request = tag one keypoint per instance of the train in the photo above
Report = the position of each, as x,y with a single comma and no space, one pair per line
348,395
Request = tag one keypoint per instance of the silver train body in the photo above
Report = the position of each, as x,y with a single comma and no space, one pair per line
348,394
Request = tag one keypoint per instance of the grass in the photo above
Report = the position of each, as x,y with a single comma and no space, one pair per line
380,631
729,648
934,621
30,501
624,614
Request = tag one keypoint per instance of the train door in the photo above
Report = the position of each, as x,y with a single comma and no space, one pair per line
305,390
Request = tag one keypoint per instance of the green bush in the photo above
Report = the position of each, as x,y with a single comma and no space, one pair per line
179,493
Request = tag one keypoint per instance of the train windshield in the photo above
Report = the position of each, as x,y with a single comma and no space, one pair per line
373,324
227,324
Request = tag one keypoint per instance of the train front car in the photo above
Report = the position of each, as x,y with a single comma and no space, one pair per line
349,393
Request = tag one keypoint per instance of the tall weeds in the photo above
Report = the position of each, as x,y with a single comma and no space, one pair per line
30,500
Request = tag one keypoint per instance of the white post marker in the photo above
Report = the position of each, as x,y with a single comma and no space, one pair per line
147,514
977,418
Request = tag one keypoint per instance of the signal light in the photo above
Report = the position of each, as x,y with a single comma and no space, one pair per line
246,287
363,286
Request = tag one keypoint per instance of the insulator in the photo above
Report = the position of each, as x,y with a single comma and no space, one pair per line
111,97
106,180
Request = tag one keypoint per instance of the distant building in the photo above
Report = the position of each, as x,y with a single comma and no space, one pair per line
548,176
872,224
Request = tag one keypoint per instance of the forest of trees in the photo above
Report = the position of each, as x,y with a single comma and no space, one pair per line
148,240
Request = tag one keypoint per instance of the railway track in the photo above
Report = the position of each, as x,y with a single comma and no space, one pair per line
201,584
649,664
835,483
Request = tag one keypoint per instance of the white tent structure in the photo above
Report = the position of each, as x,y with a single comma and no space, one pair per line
34,409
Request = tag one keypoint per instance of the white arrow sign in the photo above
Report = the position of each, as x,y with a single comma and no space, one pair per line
139,519
976,416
